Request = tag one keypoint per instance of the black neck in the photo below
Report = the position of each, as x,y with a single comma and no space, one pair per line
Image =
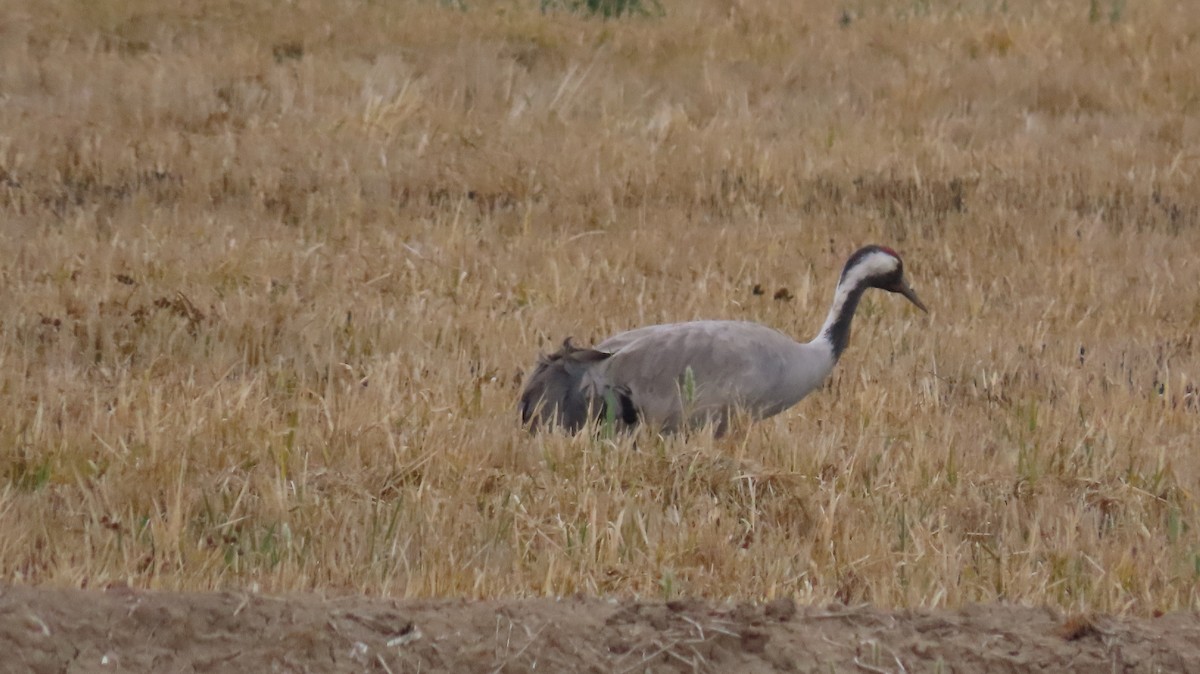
837,325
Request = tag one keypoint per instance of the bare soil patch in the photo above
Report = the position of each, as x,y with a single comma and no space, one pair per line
67,630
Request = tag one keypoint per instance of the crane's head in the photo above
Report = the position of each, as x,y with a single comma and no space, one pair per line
879,267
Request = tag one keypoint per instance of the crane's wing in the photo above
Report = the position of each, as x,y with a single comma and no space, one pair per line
688,373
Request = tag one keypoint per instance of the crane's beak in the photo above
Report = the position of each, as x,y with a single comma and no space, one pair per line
911,294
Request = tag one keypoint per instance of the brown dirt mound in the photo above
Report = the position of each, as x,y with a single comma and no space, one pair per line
57,630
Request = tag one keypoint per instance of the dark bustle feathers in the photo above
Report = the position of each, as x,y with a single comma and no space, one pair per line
556,394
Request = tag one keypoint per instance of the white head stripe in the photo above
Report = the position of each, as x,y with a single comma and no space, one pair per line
877,263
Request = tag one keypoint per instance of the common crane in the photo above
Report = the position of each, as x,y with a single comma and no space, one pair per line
681,375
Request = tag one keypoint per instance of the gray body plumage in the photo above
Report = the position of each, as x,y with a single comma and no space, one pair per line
733,365
679,375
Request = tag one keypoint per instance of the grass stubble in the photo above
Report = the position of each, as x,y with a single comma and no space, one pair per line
272,275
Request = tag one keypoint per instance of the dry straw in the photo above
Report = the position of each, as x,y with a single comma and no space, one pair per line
271,277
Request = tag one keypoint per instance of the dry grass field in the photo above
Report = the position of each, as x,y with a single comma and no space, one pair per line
273,273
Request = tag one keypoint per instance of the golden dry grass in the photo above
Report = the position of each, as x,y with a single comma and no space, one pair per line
272,274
